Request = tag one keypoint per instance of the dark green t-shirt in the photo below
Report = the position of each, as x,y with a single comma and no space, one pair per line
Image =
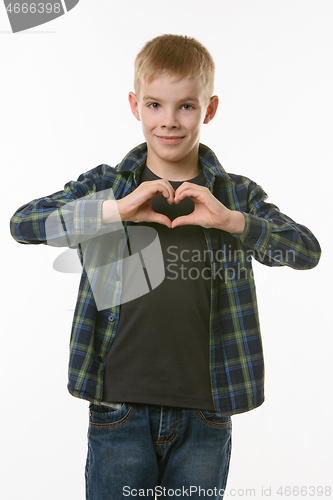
160,354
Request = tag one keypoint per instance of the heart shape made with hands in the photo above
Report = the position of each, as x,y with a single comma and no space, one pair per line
154,201
185,209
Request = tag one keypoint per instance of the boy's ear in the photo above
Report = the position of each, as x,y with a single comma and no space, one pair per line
134,105
211,108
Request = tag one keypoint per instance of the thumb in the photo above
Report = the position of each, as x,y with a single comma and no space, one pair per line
159,218
183,220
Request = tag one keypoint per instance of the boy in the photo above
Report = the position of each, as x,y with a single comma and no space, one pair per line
165,368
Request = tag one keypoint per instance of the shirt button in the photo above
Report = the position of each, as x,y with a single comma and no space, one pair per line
111,318
100,359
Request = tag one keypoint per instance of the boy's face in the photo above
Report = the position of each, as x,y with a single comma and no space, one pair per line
172,114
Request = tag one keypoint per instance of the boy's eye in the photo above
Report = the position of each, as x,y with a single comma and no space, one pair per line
187,106
153,105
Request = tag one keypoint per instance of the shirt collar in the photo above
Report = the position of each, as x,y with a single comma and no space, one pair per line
135,160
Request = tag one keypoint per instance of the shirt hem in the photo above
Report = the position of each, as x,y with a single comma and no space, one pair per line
235,411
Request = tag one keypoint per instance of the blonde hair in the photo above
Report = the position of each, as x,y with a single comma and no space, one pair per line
177,56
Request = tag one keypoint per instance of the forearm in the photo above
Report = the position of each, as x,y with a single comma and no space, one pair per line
57,223
272,237
280,241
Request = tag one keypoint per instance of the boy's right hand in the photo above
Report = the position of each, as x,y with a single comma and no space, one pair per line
136,206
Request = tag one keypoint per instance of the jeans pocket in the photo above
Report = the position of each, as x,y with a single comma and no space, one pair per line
212,419
104,408
106,417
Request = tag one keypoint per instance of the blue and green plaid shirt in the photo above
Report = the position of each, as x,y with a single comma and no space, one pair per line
272,238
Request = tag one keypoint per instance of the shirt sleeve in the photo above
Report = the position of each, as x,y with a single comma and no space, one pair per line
273,237
67,217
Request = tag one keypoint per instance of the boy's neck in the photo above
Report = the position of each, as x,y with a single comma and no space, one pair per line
185,169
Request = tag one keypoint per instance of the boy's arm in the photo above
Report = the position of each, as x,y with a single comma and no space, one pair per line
273,237
66,217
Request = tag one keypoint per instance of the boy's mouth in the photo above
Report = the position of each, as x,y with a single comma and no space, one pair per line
172,139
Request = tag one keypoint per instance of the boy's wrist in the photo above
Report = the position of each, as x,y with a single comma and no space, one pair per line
236,223
110,212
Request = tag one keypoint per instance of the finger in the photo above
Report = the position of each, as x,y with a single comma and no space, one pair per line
191,185
184,186
159,219
169,187
147,191
188,192
184,220
162,186
192,188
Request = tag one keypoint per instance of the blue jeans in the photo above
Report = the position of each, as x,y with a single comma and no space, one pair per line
141,450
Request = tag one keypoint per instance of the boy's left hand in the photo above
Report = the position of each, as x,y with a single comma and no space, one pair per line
208,211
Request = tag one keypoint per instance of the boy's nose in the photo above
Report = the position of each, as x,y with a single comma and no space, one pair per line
169,120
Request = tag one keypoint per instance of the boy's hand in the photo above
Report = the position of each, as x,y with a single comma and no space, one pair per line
208,211
136,206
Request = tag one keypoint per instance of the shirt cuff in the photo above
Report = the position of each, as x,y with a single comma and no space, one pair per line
87,217
256,234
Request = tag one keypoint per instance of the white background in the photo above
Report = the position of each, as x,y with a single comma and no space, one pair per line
64,110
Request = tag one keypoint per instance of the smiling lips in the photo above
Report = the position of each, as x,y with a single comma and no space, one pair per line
173,139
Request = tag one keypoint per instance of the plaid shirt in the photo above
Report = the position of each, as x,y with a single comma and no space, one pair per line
236,357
